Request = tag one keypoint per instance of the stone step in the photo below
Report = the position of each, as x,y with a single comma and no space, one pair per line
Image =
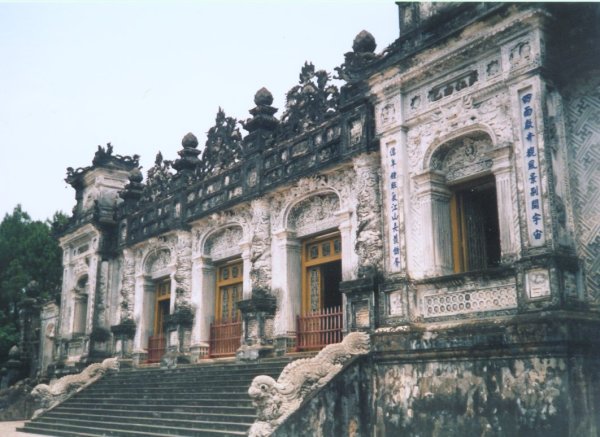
148,415
161,401
105,431
165,409
168,425
222,379
194,375
202,400
168,396
198,369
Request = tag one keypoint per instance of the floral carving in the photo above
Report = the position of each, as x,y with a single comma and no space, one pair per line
223,243
276,400
313,210
127,285
157,261
223,147
368,244
311,102
260,255
158,180
183,267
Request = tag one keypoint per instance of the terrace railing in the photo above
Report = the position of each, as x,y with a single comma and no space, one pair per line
316,330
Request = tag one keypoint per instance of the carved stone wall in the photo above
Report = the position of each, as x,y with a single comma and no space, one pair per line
583,121
518,397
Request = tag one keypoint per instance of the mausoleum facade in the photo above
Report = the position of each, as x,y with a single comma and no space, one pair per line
443,200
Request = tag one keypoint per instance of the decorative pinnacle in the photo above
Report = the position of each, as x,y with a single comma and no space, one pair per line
364,42
136,175
189,141
263,97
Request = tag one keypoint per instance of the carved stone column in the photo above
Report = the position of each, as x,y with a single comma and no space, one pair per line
286,281
203,296
437,231
246,248
260,252
183,270
100,335
349,259
123,334
143,316
502,169
369,240
257,325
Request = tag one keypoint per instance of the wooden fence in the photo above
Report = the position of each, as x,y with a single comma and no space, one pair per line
316,330
225,338
156,348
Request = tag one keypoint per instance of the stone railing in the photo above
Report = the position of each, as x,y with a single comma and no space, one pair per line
48,396
276,400
345,135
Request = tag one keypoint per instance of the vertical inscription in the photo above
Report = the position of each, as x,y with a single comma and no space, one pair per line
533,190
393,175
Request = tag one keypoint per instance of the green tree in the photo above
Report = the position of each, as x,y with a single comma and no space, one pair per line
28,252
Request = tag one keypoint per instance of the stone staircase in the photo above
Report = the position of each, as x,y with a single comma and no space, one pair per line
200,400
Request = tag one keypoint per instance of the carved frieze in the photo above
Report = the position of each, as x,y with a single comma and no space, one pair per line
471,301
309,213
157,261
224,243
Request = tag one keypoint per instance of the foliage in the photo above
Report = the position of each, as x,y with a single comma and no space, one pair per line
28,252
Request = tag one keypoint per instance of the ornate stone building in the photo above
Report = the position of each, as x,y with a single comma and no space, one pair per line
444,200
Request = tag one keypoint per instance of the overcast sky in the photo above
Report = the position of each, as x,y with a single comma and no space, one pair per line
142,74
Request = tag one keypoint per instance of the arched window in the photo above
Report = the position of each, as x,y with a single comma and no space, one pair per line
475,229
467,204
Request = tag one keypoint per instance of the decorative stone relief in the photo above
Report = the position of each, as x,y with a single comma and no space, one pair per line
276,400
280,201
238,217
493,68
471,301
538,284
520,54
395,303
464,157
157,261
369,241
458,84
224,243
183,269
49,395
583,113
127,285
317,209
462,397
260,255
388,114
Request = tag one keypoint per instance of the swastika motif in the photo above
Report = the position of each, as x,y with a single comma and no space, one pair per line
583,120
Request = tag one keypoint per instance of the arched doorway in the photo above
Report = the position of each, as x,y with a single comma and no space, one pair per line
313,221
